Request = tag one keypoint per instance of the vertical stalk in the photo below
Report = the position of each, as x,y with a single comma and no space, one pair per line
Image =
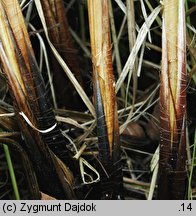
132,39
172,164
31,180
11,171
105,100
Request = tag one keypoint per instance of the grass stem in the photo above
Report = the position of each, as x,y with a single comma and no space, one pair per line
11,171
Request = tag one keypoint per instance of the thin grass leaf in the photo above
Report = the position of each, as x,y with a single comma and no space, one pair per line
11,171
132,39
121,6
154,169
30,176
145,17
158,19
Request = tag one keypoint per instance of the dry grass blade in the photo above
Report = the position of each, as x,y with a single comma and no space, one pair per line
121,5
5,120
132,39
172,165
139,41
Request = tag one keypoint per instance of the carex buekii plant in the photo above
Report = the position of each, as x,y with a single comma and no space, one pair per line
116,94
42,137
